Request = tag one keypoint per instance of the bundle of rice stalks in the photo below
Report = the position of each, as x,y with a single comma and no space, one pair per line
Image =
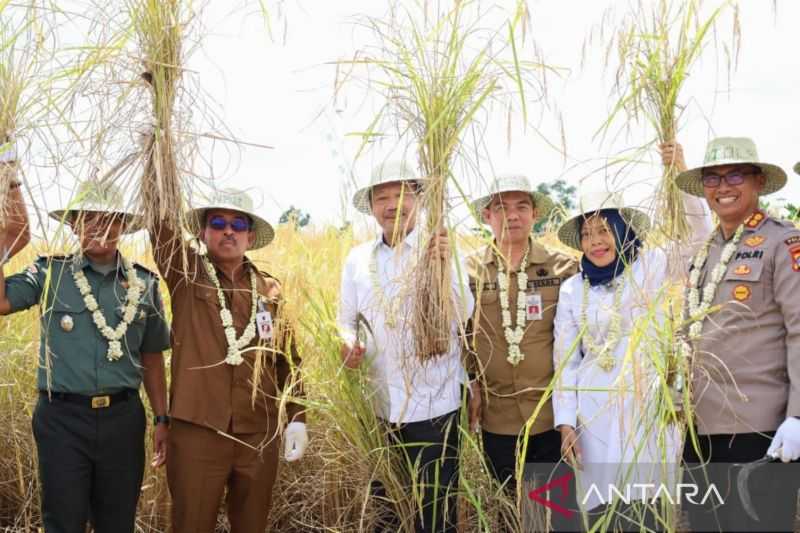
21,55
160,26
658,44
440,69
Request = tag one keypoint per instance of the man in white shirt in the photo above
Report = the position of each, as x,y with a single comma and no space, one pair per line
419,403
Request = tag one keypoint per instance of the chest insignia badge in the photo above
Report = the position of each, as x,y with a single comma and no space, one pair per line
742,293
67,323
755,241
742,269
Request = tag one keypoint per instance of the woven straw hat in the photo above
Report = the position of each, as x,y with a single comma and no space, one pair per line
234,200
98,197
515,183
594,201
386,172
731,151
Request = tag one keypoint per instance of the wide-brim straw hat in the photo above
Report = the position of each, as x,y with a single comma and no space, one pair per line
386,172
731,151
594,201
98,197
515,183
240,202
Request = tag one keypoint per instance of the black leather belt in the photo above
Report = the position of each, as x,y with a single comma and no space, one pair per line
99,401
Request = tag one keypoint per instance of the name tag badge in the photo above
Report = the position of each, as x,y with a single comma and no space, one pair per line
264,325
534,306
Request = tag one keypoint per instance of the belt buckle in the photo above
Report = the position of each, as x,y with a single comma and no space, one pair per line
99,402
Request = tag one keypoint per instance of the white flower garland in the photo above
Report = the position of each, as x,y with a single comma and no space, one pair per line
389,309
604,351
134,293
698,307
234,356
514,331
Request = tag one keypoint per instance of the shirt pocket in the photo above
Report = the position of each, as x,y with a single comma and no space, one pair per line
742,283
70,329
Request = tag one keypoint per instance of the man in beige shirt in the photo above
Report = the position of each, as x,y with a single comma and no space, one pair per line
745,375
515,372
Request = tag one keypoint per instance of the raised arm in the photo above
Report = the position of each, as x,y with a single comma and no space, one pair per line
175,260
698,215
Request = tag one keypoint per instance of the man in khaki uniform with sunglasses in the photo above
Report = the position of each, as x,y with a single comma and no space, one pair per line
233,356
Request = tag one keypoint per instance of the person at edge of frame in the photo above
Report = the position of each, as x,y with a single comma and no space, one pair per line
102,335
745,357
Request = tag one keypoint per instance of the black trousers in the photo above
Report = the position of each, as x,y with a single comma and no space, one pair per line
91,463
772,488
543,455
430,448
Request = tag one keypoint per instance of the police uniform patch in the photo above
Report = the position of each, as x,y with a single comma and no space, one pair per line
795,253
792,240
755,254
742,270
742,293
755,240
754,220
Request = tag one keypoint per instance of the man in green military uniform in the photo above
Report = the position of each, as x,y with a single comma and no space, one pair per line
102,335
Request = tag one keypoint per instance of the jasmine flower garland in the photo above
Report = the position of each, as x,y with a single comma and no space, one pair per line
515,330
134,293
234,356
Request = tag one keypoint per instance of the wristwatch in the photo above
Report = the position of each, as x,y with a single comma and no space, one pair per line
160,419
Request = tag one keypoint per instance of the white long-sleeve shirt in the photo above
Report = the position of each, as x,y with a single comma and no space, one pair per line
405,389
612,410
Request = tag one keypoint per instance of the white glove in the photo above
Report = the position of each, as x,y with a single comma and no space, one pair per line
295,440
786,443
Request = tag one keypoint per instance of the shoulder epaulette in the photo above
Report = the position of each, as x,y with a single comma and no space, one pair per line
145,269
267,274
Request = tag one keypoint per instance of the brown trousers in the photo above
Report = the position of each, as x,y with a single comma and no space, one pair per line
201,463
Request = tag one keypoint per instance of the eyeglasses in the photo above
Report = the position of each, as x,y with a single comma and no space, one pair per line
736,177
239,225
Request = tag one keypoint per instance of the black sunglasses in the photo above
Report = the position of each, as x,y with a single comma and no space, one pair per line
239,225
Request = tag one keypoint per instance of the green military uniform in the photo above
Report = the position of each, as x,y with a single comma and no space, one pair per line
89,422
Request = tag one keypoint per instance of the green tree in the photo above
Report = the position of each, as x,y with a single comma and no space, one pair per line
295,216
563,195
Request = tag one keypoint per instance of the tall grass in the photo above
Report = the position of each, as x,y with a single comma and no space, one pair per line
439,66
657,45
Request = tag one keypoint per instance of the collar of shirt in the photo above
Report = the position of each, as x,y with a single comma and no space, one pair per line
411,240
537,254
82,262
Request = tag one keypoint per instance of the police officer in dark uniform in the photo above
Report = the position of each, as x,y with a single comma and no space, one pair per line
102,336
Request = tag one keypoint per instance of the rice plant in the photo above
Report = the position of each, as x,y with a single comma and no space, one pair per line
658,44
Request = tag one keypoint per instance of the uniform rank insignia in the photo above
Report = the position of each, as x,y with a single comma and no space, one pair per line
742,270
742,293
795,253
754,220
755,240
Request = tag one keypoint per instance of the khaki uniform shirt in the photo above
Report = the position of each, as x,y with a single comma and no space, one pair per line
205,390
513,392
746,367
73,353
